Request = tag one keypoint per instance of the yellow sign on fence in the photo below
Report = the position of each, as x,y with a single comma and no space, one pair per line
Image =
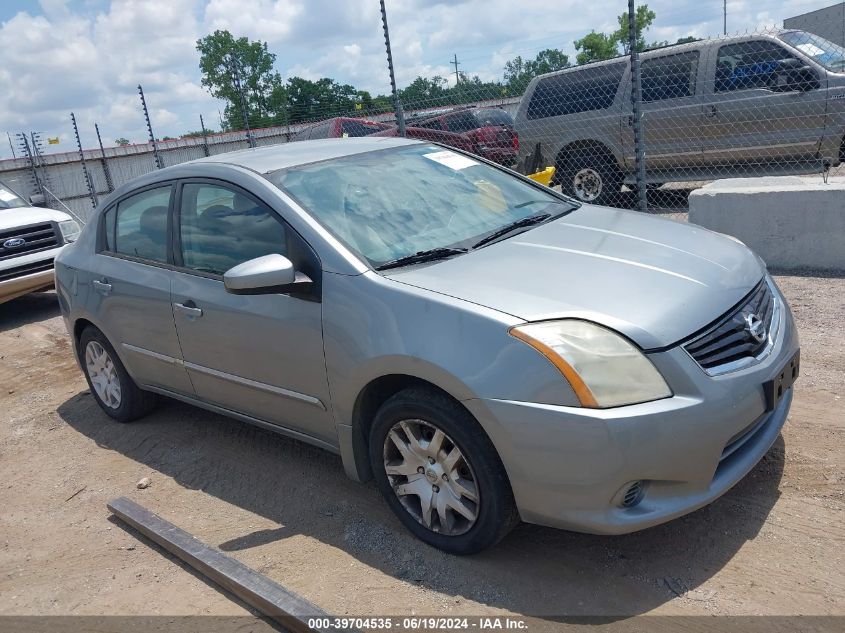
53,140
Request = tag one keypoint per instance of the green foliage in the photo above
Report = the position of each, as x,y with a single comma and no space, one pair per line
222,59
594,47
518,71
196,133
121,141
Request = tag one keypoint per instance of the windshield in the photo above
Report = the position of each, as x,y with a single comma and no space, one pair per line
388,204
9,199
824,52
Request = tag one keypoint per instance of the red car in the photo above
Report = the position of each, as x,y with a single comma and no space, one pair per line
489,129
338,127
458,141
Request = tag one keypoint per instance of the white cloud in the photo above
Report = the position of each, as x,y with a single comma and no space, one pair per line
88,57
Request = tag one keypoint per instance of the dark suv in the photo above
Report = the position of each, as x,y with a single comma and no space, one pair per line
489,129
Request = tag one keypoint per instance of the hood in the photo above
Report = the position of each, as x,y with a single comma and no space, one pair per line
21,216
655,280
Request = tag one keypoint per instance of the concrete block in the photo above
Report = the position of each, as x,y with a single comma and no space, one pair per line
792,222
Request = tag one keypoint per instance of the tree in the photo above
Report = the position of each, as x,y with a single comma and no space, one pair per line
423,92
518,72
223,59
196,133
643,19
595,47
121,141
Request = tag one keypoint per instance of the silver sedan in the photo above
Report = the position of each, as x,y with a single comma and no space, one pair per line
485,348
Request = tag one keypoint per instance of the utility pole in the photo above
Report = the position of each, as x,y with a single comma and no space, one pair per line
725,17
455,64
397,105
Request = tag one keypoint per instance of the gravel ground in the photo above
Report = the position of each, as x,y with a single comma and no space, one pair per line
772,545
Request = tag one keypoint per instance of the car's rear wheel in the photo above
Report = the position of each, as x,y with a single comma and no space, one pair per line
440,473
112,387
593,178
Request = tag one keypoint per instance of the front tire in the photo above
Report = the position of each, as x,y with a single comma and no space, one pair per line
440,473
109,382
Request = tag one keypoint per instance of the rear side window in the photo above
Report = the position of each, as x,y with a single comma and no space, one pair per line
360,128
493,117
460,122
140,226
582,90
221,228
748,65
670,77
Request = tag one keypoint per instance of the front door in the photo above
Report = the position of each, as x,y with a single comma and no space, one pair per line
752,117
130,290
259,355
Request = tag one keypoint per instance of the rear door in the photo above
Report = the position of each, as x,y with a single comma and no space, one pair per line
259,355
671,110
749,117
130,288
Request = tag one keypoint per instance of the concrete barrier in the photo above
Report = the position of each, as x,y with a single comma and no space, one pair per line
792,222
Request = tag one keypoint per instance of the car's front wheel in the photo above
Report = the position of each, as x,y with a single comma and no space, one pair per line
440,473
110,383
593,178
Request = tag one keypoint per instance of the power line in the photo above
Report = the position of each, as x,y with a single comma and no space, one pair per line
455,63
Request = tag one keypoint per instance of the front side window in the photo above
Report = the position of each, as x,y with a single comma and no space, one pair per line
140,226
388,204
822,51
749,65
669,77
221,228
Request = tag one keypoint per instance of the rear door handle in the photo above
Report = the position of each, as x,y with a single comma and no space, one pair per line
189,309
103,287
712,111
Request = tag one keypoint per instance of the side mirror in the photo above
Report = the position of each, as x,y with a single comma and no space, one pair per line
270,274
37,200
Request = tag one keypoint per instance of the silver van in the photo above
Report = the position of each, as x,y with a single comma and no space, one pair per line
738,106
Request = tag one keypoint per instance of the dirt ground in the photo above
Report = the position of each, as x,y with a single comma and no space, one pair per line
772,545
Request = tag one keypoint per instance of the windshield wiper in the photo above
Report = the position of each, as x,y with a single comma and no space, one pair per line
531,220
429,255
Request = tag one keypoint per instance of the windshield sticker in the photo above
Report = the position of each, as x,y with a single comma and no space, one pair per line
451,159
810,49
6,196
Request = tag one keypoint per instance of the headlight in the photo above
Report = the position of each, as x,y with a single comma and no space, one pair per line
604,369
70,230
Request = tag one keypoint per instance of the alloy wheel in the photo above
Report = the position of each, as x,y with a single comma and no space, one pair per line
431,477
103,374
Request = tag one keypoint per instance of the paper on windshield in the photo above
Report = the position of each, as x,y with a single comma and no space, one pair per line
810,49
451,159
6,196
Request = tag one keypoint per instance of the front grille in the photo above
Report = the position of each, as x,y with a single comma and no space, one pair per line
36,237
26,269
731,339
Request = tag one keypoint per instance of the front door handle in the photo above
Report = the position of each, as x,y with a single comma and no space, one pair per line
189,309
712,111
103,287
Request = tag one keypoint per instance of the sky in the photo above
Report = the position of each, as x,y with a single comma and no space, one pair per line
88,56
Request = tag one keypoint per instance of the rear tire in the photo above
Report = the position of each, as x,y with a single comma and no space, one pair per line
592,177
440,473
109,382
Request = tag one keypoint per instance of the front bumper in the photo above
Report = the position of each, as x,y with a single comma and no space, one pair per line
19,286
569,467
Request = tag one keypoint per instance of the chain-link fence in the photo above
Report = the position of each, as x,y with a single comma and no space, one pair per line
770,103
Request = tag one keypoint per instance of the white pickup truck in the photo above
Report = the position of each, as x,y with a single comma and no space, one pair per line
30,239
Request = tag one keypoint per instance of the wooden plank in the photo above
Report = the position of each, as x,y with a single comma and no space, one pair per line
277,603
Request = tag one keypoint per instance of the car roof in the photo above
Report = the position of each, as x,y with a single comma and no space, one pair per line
266,159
